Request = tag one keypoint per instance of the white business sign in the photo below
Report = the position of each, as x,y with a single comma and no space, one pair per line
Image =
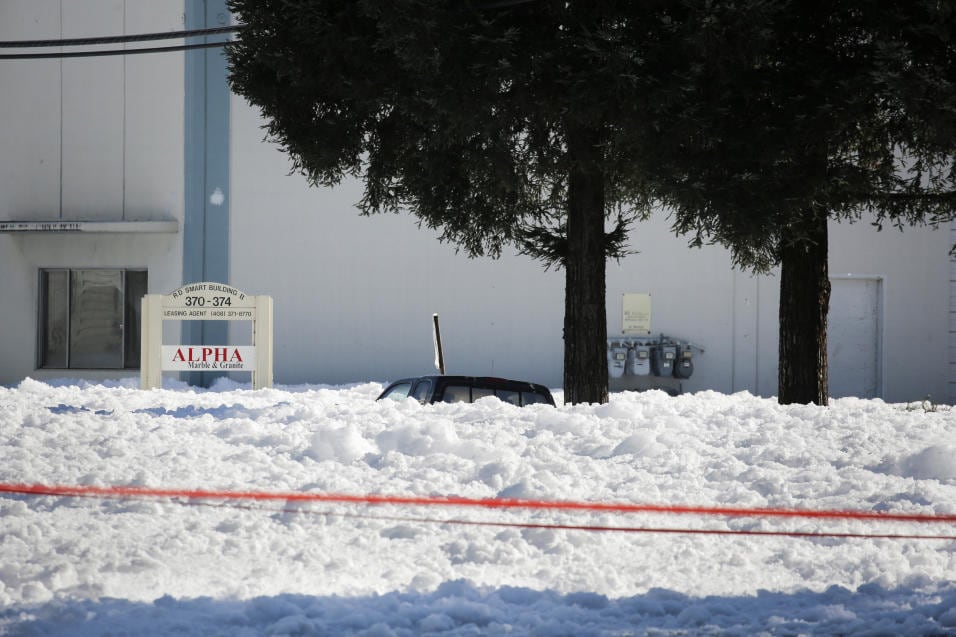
206,301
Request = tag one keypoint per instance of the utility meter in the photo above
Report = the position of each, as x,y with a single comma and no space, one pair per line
684,366
616,359
639,360
662,359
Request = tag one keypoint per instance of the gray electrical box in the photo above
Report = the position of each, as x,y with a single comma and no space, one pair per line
616,359
639,359
662,360
684,366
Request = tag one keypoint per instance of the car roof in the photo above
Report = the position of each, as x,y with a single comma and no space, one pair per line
491,381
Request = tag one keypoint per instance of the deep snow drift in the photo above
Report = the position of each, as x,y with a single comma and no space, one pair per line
95,566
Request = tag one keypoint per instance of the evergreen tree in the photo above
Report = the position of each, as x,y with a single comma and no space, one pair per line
782,115
494,122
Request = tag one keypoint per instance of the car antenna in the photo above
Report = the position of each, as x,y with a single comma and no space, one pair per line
439,356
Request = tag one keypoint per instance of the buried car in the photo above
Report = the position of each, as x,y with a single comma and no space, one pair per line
467,389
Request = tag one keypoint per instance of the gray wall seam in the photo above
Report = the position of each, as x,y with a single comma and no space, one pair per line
206,185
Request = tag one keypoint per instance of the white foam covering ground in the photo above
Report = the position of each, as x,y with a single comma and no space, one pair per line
91,566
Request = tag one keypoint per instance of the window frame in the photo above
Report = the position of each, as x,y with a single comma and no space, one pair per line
454,387
422,391
392,394
131,357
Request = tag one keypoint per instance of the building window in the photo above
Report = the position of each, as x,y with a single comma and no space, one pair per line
90,319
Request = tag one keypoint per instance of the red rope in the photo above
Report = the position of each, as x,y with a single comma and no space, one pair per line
456,501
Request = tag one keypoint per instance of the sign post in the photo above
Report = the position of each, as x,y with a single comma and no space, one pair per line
439,355
206,301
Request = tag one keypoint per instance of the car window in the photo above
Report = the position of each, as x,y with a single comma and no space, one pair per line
509,396
481,392
532,398
456,394
423,390
398,391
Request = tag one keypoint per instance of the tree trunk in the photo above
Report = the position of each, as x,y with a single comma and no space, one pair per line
804,303
585,311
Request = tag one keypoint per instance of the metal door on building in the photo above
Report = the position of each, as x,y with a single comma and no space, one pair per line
854,337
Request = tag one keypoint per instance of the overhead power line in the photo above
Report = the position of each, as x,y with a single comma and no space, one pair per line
87,54
117,39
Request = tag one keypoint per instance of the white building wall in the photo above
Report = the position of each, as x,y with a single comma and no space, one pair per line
153,117
30,114
952,316
89,139
354,296
92,130
913,266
